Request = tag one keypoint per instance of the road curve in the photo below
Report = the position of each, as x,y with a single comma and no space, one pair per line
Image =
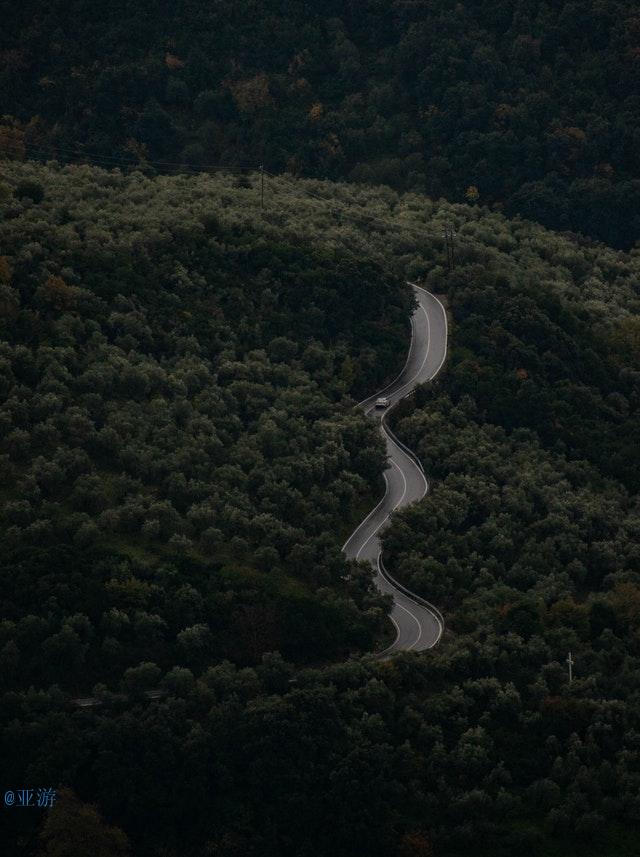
419,625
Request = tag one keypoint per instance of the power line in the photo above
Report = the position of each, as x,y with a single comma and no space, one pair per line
344,211
52,152
349,214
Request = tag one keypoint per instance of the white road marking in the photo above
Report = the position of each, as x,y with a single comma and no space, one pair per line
426,356
446,327
433,612
424,478
388,515
411,380
395,445
393,645
396,603
406,362
371,513
418,623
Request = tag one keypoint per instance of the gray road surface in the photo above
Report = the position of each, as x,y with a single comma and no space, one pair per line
419,625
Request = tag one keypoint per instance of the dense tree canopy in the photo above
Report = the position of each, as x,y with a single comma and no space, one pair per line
181,462
528,538
176,442
528,105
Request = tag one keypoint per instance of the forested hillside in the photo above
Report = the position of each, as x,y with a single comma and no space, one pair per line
176,450
529,104
529,541
181,462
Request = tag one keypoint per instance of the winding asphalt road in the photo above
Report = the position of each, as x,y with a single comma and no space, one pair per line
418,623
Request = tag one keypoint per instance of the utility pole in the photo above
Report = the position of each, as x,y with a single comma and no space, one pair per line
570,661
452,236
445,235
448,235
261,185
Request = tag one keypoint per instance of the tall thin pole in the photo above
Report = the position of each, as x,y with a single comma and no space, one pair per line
261,185
449,235
452,236
445,235
570,661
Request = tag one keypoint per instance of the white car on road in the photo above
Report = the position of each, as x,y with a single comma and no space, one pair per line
382,402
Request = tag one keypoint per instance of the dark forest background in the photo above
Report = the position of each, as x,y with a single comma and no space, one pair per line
181,462
529,106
